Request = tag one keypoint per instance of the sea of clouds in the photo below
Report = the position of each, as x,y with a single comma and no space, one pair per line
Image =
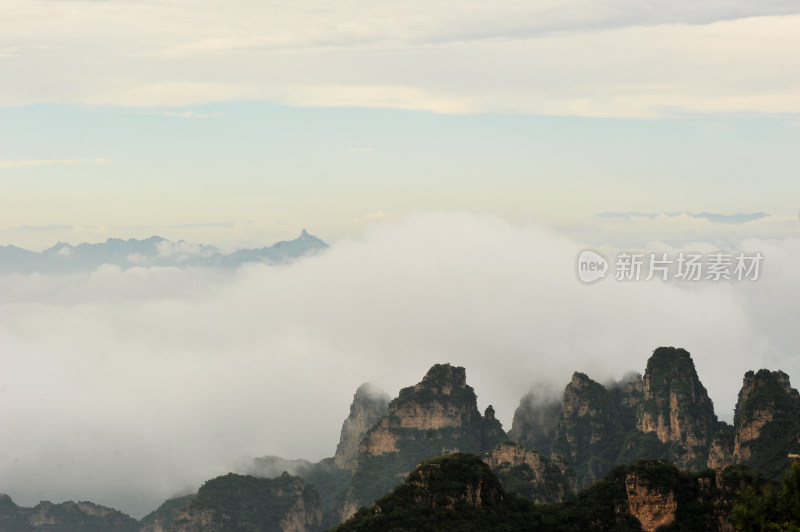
125,387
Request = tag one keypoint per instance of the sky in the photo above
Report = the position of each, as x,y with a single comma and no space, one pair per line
457,157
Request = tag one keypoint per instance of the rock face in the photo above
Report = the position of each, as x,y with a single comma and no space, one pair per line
437,416
720,453
676,407
592,425
766,420
530,474
369,405
653,507
443,483
238,502
441,409
447,493
162,518
65,517
535,419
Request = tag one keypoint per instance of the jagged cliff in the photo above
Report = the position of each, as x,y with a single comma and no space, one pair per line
161,519
767,421
676,410
369,405
240,502
529,474
593,423
535,419
658,494
455,492
439,415
65,517
459,493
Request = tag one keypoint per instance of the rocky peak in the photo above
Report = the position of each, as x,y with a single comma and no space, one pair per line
437,416
369,405
443,379
492,432
590,428
442,400
65,517
536,417
630,389
448,480
240,502
766,420
530,474
676,406
654,507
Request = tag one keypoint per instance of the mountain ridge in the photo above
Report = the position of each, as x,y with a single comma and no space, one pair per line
153,251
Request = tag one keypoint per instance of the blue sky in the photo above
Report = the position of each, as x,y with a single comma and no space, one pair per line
132,172
120,118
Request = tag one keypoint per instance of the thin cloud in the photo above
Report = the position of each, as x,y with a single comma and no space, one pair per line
24,163
189,114
626,58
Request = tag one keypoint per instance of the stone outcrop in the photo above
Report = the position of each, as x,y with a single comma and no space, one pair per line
530,474
535,419
239,502
437,416
443,406
658,494
676,407
590,428
720,453
652,506
767,420
162,518
427,488
492,432
65,517
369,405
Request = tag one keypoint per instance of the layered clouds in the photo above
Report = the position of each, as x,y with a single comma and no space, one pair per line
611,58
125,387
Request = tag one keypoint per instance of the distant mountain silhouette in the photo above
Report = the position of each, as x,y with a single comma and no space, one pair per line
154,251
738,218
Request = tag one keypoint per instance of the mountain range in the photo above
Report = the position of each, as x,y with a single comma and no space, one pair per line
153,251
639,454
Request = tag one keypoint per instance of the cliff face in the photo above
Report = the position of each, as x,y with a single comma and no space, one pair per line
530,474
369,405
437,416
766,420
238,502
441,409
676,407
447,493
592,426
653,507
161,519
445,482
535,419
657,494
65,517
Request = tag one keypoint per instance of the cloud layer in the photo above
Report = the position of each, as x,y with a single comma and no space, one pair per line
125,387
610,58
